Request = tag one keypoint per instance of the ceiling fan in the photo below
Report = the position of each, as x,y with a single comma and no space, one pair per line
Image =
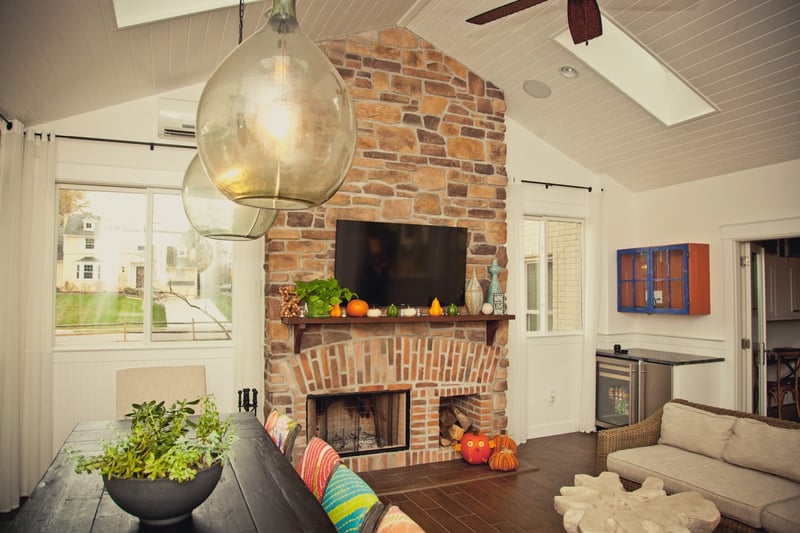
583,17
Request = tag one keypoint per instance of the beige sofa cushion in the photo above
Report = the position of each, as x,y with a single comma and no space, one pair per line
782,517
740,493
763,447
695,430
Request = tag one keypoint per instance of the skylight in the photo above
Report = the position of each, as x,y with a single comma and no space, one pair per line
134,12
634,71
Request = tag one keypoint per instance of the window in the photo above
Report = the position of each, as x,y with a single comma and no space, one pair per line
150,276
553,274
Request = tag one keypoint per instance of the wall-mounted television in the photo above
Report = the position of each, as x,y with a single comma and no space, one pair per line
404,264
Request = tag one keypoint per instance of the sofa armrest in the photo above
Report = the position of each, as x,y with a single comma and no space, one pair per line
644,433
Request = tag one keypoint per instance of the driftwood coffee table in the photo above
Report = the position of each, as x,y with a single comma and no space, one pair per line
602,505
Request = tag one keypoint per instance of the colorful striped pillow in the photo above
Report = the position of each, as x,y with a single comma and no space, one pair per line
347,499
316,465
279,426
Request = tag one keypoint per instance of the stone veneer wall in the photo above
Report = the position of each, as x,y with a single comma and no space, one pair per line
430,150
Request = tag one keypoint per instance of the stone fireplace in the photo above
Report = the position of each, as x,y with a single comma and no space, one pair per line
430,150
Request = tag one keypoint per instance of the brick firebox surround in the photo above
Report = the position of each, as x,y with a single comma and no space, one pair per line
431,150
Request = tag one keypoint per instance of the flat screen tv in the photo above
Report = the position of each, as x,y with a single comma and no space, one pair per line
402,264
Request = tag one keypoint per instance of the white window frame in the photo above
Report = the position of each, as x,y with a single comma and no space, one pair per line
147,341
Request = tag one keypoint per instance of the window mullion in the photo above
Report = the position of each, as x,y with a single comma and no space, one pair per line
147,293
544,293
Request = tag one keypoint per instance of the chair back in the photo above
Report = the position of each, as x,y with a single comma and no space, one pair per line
283,430
167,383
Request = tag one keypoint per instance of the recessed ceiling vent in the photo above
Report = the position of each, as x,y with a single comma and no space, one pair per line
176,118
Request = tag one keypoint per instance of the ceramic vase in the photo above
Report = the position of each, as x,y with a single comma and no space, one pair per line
473,295
494,284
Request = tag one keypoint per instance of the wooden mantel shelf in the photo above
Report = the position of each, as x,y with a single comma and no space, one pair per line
299,324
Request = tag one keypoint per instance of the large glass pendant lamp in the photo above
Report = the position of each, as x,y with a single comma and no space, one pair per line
213,215
275,124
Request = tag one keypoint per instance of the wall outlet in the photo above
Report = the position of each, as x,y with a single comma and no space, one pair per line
551,397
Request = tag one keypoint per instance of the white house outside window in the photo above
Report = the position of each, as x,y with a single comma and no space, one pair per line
150,276
553,251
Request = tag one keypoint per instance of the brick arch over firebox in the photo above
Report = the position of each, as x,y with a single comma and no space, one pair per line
431,368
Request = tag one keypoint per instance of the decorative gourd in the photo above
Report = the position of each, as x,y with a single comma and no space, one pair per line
336,311
504,442
475,447
436,308
504,461
356,307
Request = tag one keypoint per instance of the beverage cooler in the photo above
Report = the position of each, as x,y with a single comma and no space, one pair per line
629,390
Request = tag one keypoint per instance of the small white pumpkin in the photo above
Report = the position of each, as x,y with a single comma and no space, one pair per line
487,309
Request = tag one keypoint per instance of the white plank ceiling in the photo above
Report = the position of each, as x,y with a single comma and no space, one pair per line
59,59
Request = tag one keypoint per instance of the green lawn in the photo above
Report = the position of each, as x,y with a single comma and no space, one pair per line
105,308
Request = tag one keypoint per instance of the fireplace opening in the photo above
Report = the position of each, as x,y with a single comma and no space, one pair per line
363,423
457,415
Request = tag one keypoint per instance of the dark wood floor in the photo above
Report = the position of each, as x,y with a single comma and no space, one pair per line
456,496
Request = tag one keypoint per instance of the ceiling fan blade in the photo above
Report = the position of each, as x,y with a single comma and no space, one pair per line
503,11
584,20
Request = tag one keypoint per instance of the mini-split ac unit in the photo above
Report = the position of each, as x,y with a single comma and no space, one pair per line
176,119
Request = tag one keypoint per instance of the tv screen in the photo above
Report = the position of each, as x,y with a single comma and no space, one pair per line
402,264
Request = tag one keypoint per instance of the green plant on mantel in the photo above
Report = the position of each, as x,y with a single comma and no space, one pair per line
164,442
322,294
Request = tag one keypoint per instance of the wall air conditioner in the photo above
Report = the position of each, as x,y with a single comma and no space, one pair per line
176,119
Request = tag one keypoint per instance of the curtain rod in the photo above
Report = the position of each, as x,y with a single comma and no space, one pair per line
547,185
152,145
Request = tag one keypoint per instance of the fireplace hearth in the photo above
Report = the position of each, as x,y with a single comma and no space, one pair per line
359,424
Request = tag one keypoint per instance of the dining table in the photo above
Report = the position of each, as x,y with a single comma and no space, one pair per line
259,490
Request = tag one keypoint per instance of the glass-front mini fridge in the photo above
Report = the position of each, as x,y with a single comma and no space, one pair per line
628,391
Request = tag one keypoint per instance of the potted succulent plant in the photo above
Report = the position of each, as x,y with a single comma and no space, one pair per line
168,463
320,295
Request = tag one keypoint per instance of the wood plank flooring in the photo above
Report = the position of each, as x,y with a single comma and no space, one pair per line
455,496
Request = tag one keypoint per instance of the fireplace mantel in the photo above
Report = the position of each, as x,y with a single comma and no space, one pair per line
299,324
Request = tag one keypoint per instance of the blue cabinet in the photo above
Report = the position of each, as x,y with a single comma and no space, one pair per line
671,279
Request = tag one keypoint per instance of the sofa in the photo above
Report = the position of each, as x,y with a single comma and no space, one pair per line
747,465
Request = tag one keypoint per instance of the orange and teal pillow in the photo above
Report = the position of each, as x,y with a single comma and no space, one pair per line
394,520
347,499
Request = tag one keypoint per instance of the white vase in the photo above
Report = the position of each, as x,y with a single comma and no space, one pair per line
473,295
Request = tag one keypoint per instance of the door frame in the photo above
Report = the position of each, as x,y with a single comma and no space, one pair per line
732,236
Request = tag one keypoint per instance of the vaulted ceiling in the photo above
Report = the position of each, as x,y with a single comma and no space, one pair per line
61,59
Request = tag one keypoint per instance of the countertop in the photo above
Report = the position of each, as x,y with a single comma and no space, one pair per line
656,356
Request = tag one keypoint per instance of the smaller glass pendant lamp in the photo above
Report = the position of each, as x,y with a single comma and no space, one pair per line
276,126
212,215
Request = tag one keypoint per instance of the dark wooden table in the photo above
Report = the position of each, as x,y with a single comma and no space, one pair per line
259,491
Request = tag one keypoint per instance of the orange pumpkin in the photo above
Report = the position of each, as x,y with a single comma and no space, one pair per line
504,442
475,447
336,311
504,461
356,307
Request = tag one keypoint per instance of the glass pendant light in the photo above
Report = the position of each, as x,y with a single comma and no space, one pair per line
212,215
275,124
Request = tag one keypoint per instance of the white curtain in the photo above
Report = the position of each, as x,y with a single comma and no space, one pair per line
594,246
27,211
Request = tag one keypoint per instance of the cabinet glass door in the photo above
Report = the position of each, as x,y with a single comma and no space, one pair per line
669,278
632,276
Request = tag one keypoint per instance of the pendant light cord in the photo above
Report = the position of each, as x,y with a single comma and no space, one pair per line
241,19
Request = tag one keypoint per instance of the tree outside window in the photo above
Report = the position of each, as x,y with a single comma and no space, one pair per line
553,250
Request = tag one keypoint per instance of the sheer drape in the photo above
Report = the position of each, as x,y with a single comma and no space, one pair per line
593,276
27,211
